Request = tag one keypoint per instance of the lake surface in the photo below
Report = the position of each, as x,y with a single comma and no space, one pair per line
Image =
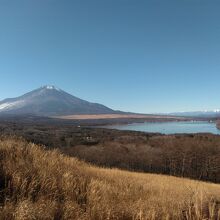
170,127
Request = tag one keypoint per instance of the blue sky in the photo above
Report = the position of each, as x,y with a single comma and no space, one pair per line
133,55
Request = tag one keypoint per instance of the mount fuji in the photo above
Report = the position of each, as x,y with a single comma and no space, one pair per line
50,101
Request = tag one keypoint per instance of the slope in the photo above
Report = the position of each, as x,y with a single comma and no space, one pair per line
40,184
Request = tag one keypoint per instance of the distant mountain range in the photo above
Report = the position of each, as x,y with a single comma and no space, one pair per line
213,113
51,101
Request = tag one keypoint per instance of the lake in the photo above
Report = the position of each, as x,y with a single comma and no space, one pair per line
170,127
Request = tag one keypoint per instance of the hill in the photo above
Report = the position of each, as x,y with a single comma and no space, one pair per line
50,101
40,184
195,156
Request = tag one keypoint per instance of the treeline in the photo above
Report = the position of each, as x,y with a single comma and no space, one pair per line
192,156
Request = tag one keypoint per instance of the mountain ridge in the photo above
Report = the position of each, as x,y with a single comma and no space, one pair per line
204,113
49,100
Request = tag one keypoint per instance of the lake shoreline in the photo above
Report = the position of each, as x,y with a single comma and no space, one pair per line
169,127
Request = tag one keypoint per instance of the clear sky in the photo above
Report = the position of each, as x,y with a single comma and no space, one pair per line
133,55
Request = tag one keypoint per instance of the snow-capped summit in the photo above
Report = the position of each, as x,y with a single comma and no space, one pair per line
51,87
50,101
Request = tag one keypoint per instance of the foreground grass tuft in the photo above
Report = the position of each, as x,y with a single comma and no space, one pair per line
40,184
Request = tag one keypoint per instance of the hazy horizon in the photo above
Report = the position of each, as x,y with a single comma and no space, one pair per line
141,56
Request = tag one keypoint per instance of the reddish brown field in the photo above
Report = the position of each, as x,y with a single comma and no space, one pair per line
115,116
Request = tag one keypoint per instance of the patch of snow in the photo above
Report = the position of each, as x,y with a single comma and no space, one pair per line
5,105
9,105
217,110
51,87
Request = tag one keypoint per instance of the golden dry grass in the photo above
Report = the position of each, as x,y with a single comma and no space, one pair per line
40,184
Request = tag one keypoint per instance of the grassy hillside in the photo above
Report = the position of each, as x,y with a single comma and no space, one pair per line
40,184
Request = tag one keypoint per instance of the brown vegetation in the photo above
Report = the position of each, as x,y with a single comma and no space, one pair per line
39,184
194,156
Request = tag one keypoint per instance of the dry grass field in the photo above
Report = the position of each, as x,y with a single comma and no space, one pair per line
118,116
40,184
